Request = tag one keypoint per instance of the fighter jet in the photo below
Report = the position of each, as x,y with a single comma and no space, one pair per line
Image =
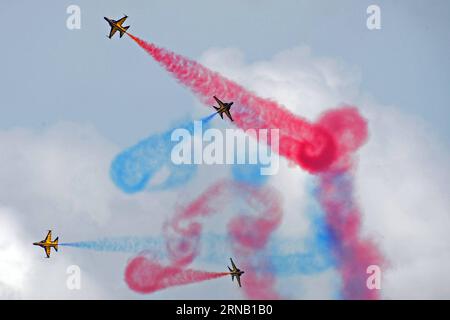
117,25
235,272
224,107
47,243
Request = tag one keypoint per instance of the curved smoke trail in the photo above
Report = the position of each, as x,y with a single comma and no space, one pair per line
283,252
335,193
301,141
133,168
249,233
324,148
144,275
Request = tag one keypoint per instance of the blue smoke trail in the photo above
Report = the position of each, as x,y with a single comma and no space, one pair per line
133,168
248,173
216,249
282,252
317,258
120,244
208,118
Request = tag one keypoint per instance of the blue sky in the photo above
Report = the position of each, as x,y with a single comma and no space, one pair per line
51,73
72,100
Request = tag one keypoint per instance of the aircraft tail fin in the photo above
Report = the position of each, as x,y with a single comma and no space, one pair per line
229,268
123,32
55,243
221,115
232,277
215,108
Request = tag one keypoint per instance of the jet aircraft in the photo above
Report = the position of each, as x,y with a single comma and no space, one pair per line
47,243
116,25
235,272
224,107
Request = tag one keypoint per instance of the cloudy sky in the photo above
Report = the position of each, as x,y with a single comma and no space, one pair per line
73,99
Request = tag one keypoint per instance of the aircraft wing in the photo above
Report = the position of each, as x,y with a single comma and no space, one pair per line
111,33
227,112
122,20
233,265
49,236
221,104
47,251
238,278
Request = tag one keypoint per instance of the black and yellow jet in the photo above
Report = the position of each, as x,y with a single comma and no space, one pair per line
47,243
224,107
235,272
117,25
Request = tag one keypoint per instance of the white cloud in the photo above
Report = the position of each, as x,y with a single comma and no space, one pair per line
402,178
403,182
14,266
294,78
59,178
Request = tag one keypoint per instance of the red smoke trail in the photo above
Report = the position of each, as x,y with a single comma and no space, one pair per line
249,234
344,220
305,143
342,212
324,148
146,276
